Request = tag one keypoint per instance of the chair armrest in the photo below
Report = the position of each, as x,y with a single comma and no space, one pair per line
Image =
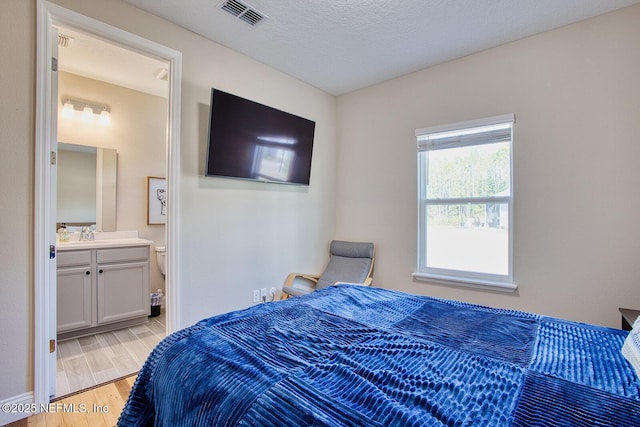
291,277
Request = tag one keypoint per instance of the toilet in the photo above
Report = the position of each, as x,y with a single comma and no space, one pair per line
161,256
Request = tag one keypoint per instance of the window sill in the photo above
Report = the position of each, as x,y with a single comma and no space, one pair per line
466,282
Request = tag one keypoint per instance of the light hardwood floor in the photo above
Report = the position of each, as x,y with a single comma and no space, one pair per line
88,361
97,407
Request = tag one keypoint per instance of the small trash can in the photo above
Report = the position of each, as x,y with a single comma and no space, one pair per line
156,303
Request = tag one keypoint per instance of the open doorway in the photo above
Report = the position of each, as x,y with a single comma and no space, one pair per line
111,134
50,19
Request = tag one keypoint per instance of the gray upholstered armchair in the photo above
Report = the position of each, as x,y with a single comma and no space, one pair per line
350,262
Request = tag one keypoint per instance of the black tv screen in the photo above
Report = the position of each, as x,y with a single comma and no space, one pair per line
249,140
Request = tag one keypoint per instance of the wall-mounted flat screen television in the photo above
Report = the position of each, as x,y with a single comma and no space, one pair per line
249,140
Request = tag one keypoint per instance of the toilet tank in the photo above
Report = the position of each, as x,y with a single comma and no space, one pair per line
161,256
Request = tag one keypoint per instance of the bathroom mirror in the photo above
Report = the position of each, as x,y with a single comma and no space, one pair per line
86,186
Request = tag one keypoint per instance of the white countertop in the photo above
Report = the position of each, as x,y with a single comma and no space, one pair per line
100,244
115,239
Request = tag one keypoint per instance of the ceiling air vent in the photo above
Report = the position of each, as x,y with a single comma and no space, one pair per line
243,11
64,40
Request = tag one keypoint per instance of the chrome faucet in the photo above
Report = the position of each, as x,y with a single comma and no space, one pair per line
85,234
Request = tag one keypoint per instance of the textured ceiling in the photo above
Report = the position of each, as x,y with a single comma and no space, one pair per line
343,45
337,46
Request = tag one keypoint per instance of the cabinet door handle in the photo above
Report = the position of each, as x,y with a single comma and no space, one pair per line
87,273
100,271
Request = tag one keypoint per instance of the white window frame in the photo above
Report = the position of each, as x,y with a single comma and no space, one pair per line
450,276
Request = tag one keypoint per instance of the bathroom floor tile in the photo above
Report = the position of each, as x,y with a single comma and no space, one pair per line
88,361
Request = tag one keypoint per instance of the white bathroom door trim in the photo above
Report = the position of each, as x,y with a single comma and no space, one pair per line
44,265
49,15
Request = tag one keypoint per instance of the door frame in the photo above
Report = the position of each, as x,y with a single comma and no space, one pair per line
48,15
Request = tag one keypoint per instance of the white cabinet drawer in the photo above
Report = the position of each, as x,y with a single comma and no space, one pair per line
137,253
73,258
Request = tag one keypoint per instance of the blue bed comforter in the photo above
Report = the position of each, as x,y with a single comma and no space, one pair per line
358,356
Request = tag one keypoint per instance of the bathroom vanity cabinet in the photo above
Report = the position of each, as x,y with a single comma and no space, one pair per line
101,288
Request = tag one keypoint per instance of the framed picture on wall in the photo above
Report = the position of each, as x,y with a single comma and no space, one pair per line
156,200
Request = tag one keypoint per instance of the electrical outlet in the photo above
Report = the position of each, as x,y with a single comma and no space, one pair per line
263,295
256,295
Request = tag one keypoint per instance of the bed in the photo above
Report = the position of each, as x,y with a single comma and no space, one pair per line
358,356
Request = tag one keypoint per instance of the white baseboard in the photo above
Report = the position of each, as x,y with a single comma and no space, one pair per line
16,408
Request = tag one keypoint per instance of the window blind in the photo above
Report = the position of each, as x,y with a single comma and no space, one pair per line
474,132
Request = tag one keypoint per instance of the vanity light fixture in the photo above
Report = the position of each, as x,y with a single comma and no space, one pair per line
105,117
88,109
67,109
87,114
